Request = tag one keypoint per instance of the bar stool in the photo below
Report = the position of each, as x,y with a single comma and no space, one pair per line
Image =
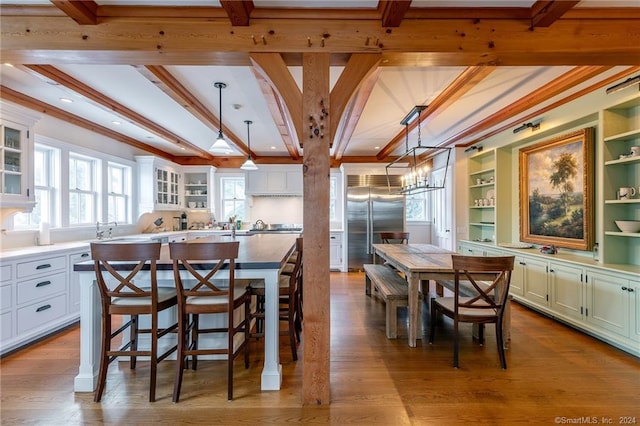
199,293
144,297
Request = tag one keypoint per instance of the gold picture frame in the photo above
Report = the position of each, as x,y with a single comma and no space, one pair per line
557,191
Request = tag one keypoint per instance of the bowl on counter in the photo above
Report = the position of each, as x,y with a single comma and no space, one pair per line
630,226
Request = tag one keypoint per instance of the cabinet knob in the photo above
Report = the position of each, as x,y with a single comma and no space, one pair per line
551,270
522,263
630,290
624,289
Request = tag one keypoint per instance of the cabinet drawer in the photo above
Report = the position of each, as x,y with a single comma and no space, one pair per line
41,266
39,314
5,297
41,287
336,237
6,326
5,273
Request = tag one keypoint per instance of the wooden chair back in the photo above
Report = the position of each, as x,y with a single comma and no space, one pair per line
394,237
480,271
105,254
200,283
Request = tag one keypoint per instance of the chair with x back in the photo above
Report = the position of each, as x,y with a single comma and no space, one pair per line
489,277
194,265
121,295
394,237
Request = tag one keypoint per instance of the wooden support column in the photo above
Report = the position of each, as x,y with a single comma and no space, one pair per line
315,141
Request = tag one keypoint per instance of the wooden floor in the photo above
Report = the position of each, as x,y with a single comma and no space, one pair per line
556,376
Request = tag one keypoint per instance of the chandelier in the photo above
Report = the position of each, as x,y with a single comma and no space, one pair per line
416,165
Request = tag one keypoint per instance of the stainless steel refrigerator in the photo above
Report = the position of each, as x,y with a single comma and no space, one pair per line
370,210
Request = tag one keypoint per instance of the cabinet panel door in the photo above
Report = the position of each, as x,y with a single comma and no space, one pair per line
565,286
635,309
608,302
535,281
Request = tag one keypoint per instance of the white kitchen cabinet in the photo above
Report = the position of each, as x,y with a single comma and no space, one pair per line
610,301
36,297
6,303
198,187
335,251
16,165
277,180
566,290
532,274
165,180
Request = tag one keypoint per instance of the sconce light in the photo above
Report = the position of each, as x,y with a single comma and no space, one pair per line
249,164
628,82
220,146
533,126
474,148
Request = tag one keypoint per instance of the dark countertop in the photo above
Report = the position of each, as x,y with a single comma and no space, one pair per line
258,251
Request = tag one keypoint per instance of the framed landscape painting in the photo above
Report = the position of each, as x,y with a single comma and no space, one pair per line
556,191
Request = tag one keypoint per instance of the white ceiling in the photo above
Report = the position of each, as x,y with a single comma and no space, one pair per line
397,90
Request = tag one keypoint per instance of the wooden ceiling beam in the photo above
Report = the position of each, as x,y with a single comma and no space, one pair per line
352,114
280,116
393,11
102,101
173,88
153,41
555,87
45,108
546,12
83,12
466,81
239,11
273,69
359,67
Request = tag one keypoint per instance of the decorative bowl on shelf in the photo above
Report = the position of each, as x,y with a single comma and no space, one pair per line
192,204
631,226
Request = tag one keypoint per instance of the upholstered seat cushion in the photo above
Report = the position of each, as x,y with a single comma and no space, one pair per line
448,303
164,293
215,300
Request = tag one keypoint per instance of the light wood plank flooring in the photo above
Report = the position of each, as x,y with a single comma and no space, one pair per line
554,372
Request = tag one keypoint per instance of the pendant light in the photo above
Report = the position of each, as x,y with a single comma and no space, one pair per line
249,164
416,164
220,146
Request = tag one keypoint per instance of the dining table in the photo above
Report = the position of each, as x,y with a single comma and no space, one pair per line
422,262
259,256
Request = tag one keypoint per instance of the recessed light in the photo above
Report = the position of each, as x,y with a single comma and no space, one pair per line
149,137
66,100
376,147
116,122
273,147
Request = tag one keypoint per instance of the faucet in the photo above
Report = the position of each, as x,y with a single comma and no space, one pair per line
100,233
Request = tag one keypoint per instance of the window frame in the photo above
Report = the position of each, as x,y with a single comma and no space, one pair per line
223,216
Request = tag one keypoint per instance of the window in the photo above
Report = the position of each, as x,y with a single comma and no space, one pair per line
233,199
417,207
46,165
118,193
83,192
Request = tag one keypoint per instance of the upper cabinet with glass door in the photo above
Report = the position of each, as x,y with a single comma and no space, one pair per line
16,172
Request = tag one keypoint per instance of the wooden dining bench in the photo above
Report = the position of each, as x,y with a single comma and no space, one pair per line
392,288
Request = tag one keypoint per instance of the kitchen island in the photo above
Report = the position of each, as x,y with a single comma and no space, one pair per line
259,256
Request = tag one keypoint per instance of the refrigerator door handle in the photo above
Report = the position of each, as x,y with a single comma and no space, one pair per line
369,227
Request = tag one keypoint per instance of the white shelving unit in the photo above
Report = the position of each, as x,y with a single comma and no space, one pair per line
620,130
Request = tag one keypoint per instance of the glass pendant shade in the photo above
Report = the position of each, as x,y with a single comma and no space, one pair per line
249,164
220,146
